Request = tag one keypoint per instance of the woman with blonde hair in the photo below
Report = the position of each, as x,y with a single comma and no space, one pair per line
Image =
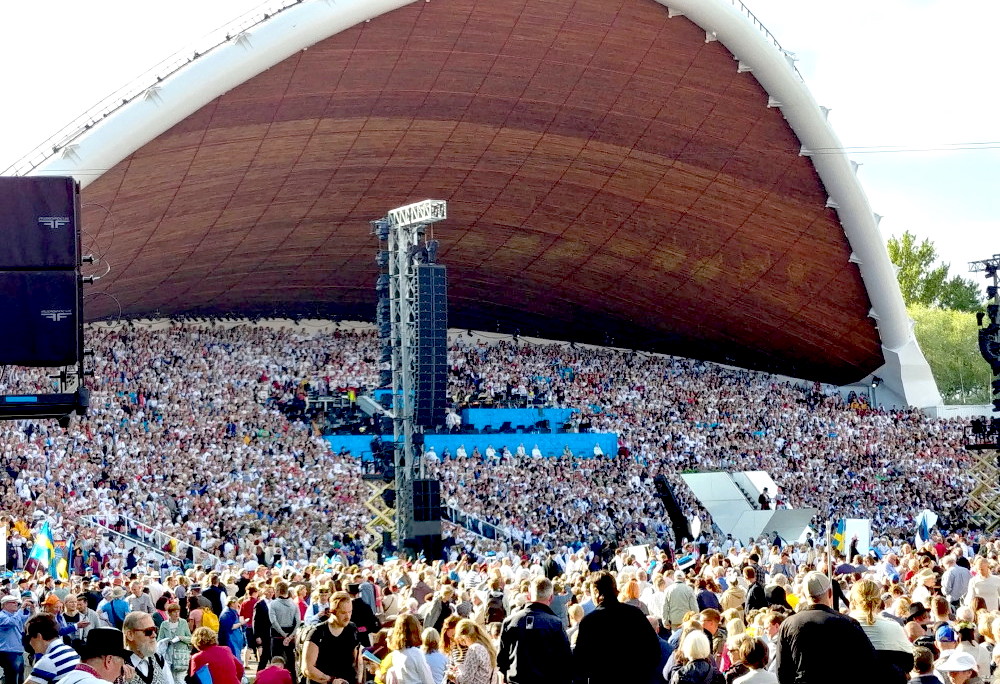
887,636
436,660
408,663
984,585
480,663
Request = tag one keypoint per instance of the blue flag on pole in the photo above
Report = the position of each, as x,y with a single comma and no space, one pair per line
43,551
838,541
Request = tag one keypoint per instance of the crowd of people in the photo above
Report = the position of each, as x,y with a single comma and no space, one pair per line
928,614
184,437
267,563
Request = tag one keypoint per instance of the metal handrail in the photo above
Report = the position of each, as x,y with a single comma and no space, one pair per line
139,86
745,11
156,540
93,521
481,528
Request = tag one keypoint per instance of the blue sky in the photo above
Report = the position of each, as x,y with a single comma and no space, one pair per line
910,74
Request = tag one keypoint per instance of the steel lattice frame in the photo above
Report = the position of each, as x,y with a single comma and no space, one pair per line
383,517
984,500
407,227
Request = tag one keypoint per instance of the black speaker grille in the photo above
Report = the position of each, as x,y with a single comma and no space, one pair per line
431,391
41,318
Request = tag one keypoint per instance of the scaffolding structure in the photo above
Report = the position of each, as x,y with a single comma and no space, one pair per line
403,233
984,434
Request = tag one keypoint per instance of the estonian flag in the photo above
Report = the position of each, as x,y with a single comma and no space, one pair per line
925,520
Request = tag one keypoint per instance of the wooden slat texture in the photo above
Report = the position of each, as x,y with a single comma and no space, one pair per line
609,174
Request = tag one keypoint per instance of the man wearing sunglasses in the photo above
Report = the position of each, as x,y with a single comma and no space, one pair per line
140,640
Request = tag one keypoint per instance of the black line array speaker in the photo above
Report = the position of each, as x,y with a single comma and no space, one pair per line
682,530
41,301
426,500
39,223
431,389
40,311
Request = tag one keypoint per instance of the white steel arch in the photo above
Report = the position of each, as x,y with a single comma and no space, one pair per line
905,372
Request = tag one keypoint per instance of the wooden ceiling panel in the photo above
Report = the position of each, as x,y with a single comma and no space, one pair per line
609,176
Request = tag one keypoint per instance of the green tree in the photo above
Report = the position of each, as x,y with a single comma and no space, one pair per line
924,282
949,340
960,294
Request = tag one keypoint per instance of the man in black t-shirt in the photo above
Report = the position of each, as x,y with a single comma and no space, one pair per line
333,653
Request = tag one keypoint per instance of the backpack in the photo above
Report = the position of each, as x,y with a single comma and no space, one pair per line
210,620
115,617
495,611
303,634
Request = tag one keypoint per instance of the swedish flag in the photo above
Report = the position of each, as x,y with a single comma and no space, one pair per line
838,541
43,551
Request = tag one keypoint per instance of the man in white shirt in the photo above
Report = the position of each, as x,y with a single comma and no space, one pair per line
55,658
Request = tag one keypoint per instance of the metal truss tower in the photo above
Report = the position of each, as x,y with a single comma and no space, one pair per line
404,231
984,444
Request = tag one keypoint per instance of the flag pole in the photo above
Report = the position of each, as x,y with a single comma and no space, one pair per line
829,549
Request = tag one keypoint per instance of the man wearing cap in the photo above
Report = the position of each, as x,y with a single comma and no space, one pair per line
56,659
959,667
809,640
102,658
945,639
13,616
114,608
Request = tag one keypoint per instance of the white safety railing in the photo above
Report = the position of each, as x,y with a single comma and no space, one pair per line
140,533
745,11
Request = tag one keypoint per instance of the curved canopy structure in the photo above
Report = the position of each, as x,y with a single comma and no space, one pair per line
615,171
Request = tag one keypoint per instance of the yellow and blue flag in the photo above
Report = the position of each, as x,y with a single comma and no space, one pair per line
43,551
838,541
60,569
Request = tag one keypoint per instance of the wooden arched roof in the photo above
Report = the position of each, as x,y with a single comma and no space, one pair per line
610,176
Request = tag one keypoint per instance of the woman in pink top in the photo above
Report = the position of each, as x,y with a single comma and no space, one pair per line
222,664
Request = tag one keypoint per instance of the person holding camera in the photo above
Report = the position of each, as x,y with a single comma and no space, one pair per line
14,614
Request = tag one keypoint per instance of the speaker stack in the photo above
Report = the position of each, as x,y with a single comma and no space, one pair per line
41,302
432,345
